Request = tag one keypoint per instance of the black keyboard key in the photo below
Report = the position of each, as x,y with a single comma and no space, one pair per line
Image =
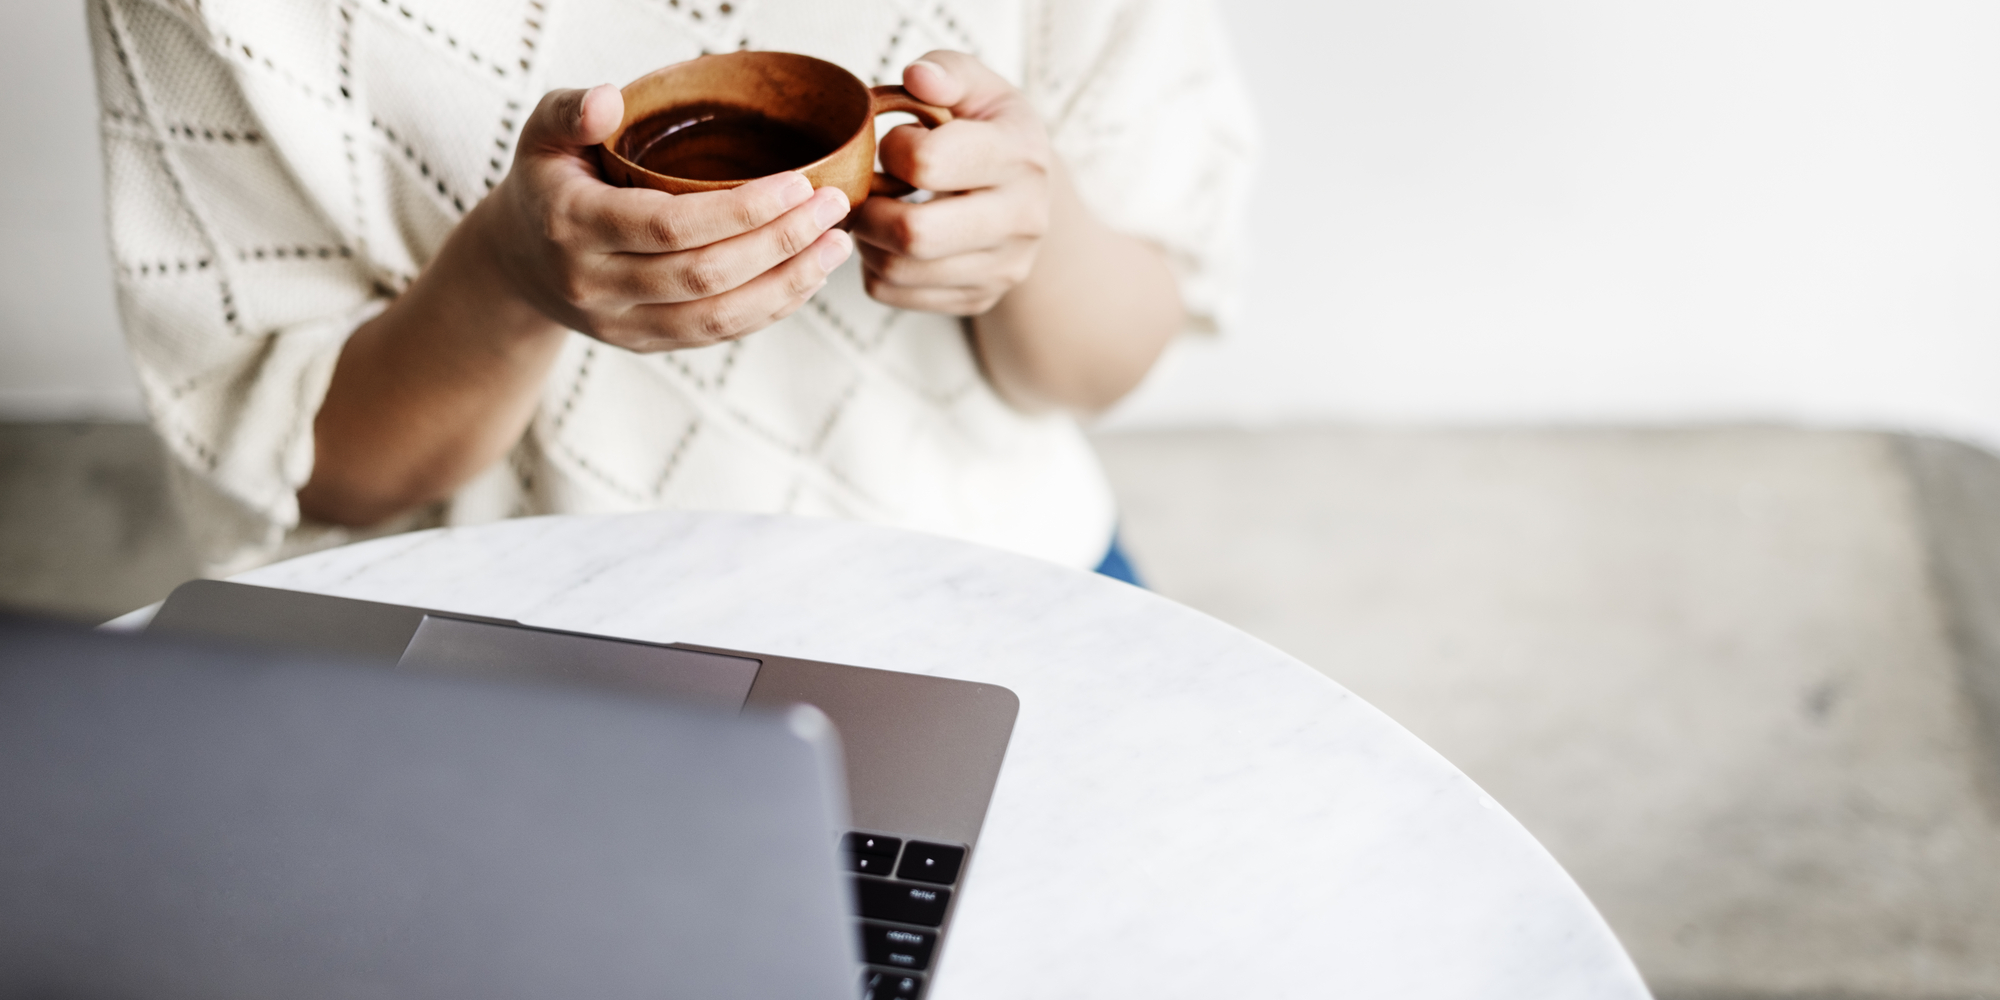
871,853
870,864
869,843
931,862
896,947
888,984
903,902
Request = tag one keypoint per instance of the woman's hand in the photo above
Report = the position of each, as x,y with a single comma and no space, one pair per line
1068,313
991,165
642,269
445,380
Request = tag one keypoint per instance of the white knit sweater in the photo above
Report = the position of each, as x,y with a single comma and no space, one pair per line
278,169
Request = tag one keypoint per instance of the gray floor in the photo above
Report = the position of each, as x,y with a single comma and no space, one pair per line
85,529
1709,669
1732,678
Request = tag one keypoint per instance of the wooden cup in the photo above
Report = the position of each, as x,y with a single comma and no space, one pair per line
812,95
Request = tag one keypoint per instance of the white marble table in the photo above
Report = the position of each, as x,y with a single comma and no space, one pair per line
1184,810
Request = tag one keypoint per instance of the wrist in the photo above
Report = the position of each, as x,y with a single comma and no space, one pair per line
487,285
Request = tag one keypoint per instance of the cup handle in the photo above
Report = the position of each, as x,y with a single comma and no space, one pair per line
881,101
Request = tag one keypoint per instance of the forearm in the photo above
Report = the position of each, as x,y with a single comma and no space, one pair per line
430,392
1092,317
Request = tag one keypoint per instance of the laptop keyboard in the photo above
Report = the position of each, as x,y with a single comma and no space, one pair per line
901,894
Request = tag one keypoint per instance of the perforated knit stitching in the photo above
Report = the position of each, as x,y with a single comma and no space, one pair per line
730,352
446,195
575,389
839,334
121,39
943,17
229,46
716,27
161,268
674,456
426,29
882,68
713,407
182,130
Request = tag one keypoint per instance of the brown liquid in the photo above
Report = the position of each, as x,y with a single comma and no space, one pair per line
719,142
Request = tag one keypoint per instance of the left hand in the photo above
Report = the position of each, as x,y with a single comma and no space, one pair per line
990,167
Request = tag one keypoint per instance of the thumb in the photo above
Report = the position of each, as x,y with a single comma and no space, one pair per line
568,120
957,81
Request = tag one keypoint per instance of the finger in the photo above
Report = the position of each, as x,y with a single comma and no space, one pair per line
567,121
956,224
769,297
960,155
728,264
1007,264
929,81
641,220
949,301
958,81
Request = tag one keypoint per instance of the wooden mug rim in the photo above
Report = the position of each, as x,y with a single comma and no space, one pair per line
880,101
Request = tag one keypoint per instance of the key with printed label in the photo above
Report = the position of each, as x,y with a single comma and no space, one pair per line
902,902
896,947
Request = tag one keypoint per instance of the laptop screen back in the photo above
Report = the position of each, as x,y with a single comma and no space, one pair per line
187,822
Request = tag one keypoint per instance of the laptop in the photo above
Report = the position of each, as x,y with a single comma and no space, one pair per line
921,753
182,820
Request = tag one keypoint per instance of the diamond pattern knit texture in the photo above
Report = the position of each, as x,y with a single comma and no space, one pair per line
278,170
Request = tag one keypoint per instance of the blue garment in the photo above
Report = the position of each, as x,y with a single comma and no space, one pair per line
1117,565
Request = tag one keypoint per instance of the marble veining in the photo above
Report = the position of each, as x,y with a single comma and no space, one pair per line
1184,810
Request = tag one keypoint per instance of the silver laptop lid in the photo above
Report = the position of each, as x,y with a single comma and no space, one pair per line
922,752
185,821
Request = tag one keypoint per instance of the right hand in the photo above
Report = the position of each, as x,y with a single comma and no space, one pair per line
645,270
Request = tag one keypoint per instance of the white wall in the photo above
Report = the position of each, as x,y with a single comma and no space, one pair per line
1530,211
1605,210
60,353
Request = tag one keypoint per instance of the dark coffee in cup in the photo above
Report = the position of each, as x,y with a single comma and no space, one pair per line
715,122
722,142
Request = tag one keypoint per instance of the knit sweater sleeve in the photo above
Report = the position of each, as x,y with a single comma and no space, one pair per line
1144,104
237,287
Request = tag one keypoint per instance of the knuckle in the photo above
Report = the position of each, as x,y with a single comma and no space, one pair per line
720,322
803,282
1019,270
924,160
793,239
702,277
910,234
658,229
883,267
553,219
558,231
748,213
551,103
573,284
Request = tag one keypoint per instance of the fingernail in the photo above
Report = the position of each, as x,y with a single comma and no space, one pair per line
583,103
835,251
832,207
939,70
